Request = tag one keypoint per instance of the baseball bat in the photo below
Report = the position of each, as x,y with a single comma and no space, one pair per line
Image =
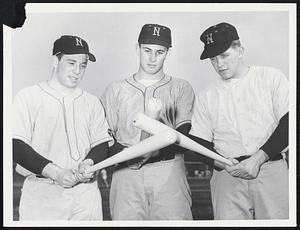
152,126
153,143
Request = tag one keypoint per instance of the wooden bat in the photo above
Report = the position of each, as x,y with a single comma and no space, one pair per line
152,126
153,143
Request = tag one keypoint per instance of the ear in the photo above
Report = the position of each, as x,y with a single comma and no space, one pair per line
168,52
241,51
55,61
137,48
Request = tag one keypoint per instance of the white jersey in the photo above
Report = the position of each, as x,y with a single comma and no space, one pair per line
239,115
61,128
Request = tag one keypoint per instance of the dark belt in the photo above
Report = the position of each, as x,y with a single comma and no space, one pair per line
275,158
138,162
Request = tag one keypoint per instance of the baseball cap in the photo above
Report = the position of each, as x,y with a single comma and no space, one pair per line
155,34
68,44
217,39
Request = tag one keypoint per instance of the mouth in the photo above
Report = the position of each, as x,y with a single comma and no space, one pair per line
73,78
152,66
222,70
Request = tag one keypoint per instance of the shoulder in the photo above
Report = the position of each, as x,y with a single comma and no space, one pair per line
180,83
29,91
115,85
266,72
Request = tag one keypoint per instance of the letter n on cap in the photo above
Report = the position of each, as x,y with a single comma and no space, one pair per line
78,42
156,31
209,39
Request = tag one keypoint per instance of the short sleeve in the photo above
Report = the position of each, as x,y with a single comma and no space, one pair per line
99,129
201,123
184,104
280,95
22,122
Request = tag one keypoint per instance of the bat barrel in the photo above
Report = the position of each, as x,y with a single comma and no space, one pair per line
150,144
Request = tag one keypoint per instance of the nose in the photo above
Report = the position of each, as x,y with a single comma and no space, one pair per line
76,69
220,62
152,57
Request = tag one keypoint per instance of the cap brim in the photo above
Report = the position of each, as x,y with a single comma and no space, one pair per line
155,42
214,50
92,58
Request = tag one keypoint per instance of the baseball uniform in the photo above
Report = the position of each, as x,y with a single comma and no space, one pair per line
62,129
157,190
238,116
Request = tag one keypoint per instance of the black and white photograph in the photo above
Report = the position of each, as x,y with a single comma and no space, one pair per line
150,115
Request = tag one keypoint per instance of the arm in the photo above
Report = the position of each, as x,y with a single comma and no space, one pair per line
25,156
279,139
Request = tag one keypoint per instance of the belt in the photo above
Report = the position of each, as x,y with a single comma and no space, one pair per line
138,162
90,181
275,158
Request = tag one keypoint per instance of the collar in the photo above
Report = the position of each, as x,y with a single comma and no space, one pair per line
55,93
132,81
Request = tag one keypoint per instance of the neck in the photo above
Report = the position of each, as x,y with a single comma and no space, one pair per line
53,82
143,75
242,72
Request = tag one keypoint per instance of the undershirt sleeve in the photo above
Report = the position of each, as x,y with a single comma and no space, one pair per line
98,153
279,139
25,156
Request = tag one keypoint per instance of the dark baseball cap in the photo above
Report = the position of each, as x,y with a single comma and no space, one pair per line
155,34
68,44
217,39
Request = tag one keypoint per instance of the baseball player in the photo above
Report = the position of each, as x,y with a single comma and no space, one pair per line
59,130
244,118
153,187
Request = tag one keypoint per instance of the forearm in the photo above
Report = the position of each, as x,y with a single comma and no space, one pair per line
28,158
116,148
209,145
98,153
278,141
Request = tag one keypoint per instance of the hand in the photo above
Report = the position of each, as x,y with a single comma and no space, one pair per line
66,178
81,175
63,177
249,168
221,165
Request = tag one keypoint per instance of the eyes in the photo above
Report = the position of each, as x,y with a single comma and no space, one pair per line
156,52
73,63
222,56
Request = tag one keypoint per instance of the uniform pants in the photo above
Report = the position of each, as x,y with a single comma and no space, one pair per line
265,197
41,199
157,191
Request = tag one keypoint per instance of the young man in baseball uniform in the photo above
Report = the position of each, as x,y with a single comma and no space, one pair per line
60,130
244,117
153,187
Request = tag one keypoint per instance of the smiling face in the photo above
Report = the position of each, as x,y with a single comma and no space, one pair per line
152,58
228,64
70,69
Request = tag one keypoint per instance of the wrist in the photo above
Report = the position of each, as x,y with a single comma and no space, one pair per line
51,171
262,156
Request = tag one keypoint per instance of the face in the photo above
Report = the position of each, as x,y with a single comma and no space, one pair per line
152,57
227,64
70,69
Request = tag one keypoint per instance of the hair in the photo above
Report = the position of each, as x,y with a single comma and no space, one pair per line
59,56
235,44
